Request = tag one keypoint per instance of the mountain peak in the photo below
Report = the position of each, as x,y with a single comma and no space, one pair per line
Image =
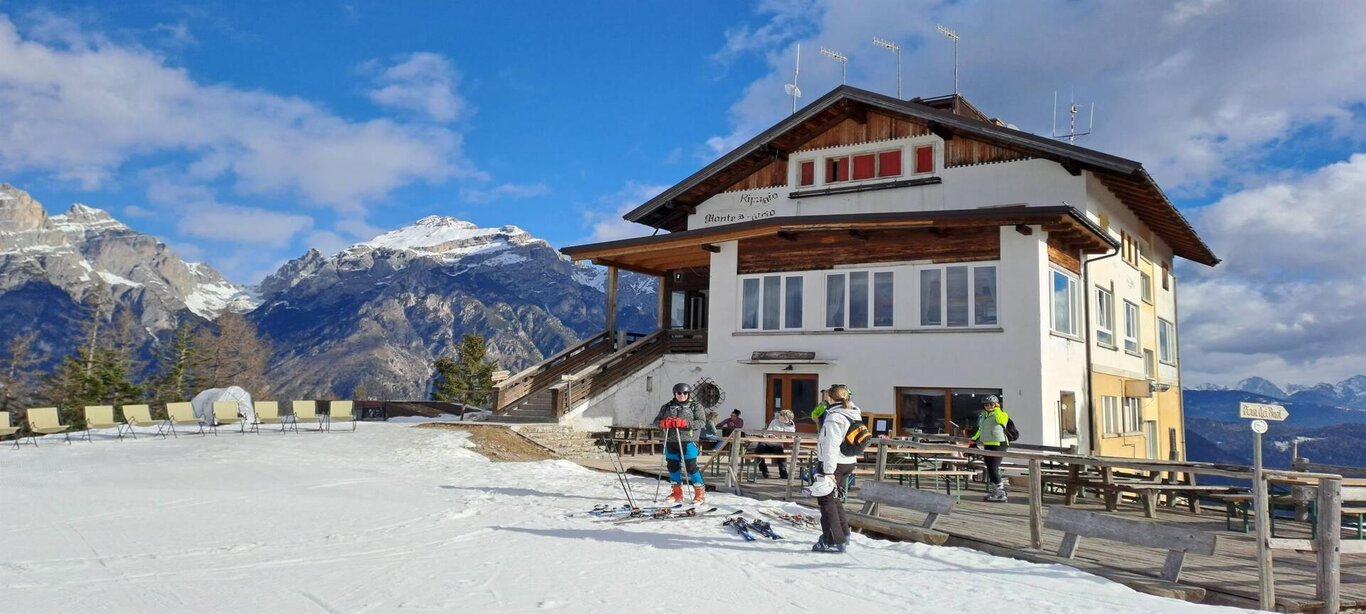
1258,385
447,237
81,216
18,210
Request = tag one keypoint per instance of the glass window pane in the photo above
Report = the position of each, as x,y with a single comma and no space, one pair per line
676,306
1062,304
956,282
792,318
772,301
883,304
929,298
858,300
984,295
749,310
834,301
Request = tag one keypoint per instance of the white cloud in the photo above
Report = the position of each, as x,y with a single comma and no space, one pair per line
78,106
1289,301
421,82
502,192
242,224
610,226
327,242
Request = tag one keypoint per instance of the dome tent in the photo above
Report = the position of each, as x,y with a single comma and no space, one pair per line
203,403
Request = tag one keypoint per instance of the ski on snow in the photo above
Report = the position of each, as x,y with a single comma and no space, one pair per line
668,514
602,511
805,521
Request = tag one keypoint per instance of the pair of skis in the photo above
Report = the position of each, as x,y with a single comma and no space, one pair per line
605,511
747,528
666,514
804,521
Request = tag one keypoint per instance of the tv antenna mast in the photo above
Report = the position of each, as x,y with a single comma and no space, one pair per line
791,88
953,36
1072,110
838,57
895,48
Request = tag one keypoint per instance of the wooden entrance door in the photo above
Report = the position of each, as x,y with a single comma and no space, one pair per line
798,392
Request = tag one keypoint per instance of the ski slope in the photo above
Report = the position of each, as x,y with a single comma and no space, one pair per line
400,519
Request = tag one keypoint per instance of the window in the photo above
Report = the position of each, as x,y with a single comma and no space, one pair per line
1065,304
1067,414
958,296
1133,415
866,298
865,166
836,169
1131,328
1147,287
1149,364
1105,317
807,173
924,159
770,302
1110,416
1166,341
889,163
1166,276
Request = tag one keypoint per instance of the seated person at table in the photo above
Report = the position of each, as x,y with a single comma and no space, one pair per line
730,424
782,421
709,436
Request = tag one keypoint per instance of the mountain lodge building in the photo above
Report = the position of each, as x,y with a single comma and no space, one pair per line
917,251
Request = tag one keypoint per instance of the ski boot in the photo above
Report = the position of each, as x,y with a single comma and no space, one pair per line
699,494
996,493
824,546
677,495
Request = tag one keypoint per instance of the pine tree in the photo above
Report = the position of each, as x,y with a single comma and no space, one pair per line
236,356
468,378
99,373
18,371
177,362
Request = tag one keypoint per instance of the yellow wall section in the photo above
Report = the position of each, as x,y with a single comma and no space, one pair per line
1164,407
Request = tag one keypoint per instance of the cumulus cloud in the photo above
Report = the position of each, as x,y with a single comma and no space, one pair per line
605,222
421,82
502,192
242,224
77,106
1289,301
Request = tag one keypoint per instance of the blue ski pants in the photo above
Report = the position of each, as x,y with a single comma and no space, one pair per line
675,463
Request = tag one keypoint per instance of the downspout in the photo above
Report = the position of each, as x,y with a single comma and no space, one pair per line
1090,372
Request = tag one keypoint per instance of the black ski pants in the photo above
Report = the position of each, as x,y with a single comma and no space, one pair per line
834,524
993,465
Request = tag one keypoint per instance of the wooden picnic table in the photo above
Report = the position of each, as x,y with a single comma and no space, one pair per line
1148,487
630,439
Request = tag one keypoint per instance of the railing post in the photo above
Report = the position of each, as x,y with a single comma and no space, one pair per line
733,476
792,467
1265,574
1329,543
1035,504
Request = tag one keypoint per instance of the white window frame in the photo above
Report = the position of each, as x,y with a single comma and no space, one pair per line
1105,317
848,298
1132,415
1131,328
943,269
1166,341
1146,279
1074,304
784,280
1111,420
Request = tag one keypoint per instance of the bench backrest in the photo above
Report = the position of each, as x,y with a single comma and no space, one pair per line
267,410
139,414
99,414
1131,531
224,410
1353,494
4,419
181,411
42,418
908,498
305,410
339,409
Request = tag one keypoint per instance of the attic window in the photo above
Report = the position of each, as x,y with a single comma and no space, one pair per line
924,159
865,166
889,163
836,169
807,174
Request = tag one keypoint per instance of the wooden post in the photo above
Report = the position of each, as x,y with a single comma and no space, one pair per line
1035,504
792,467
666,287
1329,543
870,507
1265,576
733,479
611,300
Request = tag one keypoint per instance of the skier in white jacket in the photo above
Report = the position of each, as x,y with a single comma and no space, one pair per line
833,469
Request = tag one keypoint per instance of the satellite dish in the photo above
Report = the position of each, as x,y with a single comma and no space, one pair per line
792,90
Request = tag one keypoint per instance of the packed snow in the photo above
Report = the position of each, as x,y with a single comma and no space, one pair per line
397,518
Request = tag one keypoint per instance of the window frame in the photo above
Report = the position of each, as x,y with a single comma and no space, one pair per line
943,300
1105,317
1074,305
783,283
1166,342
1110,416
1131,412
1132,339
870,308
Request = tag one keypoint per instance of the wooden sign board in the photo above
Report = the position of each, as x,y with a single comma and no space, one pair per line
1262,411
777,355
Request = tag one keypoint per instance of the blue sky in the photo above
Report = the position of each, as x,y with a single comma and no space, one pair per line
244,133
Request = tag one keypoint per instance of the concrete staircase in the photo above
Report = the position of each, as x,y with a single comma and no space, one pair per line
536,408
563,440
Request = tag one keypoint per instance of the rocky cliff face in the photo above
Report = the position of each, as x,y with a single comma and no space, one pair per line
51,265
378,313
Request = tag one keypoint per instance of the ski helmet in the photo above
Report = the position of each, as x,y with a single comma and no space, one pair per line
682,388
820,487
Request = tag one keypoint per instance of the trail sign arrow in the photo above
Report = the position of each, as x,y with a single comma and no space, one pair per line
1262,411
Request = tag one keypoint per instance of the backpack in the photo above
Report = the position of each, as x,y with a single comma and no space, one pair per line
1012,433
856,439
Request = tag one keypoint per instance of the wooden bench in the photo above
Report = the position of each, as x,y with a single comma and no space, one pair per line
1076,524
952,477
876,494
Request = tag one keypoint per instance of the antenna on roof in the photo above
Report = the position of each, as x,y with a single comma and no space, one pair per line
1072,110
791,88
953,36
838,57
891,46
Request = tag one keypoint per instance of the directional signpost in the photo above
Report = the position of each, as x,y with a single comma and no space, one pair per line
1260,413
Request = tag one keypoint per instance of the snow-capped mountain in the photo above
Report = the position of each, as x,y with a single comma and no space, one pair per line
1349,393
51,265
1257,385
377,313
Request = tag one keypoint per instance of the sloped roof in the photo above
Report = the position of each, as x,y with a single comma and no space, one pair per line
1126,178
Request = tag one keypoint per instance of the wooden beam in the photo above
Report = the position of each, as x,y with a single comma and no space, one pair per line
939,232
941,131
787,234
611,299
858,234
715,249
688,209
1024,229
1071,167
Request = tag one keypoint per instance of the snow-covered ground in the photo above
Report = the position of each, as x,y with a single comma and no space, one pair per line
394,518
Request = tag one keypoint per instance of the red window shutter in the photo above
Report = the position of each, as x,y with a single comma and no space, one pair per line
863,166
808,173
836,169
924,159
889,163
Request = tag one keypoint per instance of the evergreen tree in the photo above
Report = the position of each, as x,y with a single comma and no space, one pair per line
99,373
236,356
177,362
468,378
19,371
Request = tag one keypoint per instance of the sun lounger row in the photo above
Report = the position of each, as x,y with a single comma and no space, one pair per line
45,421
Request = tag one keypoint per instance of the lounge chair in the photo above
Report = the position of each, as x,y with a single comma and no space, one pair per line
306,411
44,421
225,413
267,412
99,417
140,415
340,411
181,413
6,429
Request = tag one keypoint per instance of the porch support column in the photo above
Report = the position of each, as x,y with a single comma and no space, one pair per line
611,299
666,297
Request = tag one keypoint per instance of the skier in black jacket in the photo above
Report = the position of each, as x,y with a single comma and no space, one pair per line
681,419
